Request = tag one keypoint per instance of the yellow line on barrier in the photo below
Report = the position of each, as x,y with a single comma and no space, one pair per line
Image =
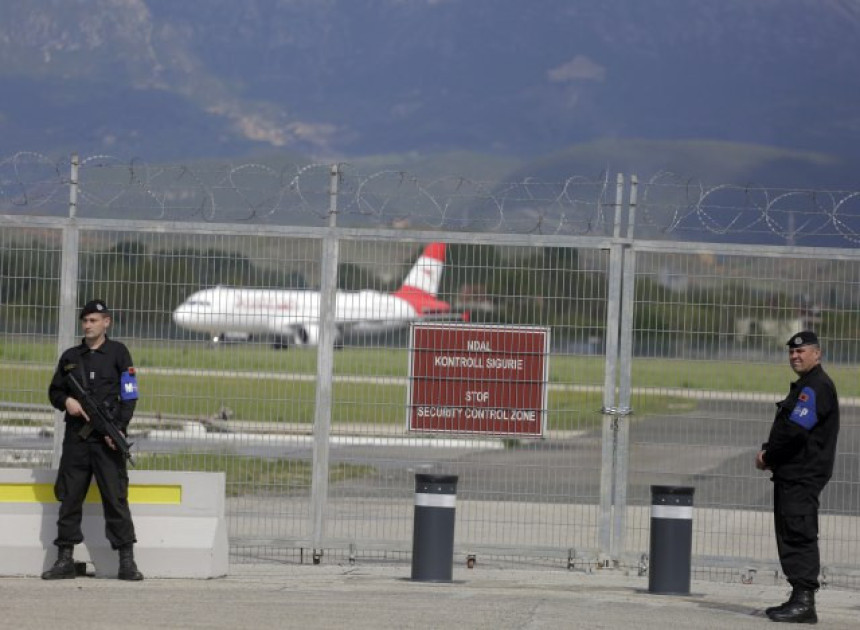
152,494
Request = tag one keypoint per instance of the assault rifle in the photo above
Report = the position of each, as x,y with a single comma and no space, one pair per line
100,417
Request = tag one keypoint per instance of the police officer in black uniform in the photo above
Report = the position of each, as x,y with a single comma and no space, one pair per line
800,452
104,367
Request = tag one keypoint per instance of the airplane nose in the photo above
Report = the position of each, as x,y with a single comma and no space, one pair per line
181,316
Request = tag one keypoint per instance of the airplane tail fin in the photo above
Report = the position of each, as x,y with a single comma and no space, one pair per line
426,273
421,285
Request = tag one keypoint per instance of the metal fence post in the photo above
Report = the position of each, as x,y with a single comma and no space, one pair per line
325,372
625,370
607,459
67,328
631,205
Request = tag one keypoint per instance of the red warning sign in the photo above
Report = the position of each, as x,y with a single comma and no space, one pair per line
478,379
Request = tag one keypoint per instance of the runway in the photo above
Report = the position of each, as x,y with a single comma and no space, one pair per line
711,449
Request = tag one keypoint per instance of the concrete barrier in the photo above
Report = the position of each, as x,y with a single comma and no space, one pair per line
178,518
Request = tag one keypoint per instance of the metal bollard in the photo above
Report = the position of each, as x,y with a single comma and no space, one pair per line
671,540
433,531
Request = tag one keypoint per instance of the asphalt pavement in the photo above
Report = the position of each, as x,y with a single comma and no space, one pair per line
377,596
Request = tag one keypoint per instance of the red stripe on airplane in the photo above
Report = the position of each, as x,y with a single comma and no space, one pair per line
422,302
435,251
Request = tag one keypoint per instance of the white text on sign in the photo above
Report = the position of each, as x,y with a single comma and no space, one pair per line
494,363
477,413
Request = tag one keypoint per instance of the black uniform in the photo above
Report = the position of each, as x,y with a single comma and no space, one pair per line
800,450
108,375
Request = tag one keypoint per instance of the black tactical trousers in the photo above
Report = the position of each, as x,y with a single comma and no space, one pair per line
797,545
81,460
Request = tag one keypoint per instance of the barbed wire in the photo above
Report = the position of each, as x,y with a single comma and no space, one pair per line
287,193
674,206
30,181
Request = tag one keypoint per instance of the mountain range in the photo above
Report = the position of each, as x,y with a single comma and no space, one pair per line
764,90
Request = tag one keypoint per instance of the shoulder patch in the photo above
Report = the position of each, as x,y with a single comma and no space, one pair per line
804,412
128,385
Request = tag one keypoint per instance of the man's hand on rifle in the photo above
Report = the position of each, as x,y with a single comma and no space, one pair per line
75,409
110,443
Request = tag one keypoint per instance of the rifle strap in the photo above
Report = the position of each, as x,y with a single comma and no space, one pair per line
87,429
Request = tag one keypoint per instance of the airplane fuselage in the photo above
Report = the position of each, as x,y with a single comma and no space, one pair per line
295,314
289,313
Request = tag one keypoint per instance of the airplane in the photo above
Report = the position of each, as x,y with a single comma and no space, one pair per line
292,316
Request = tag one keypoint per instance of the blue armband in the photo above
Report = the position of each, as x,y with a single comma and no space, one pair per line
804,412
128,385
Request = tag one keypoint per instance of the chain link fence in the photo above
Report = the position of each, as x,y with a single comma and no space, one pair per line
667,304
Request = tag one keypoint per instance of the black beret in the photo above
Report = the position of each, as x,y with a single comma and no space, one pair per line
94,306
803,338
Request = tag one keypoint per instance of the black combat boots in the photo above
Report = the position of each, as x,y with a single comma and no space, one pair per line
800,608
773,609
127,567
64,567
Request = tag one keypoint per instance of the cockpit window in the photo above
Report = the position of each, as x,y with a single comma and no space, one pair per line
198,303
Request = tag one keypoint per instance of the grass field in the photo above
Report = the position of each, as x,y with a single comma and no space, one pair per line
228,380
252,474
